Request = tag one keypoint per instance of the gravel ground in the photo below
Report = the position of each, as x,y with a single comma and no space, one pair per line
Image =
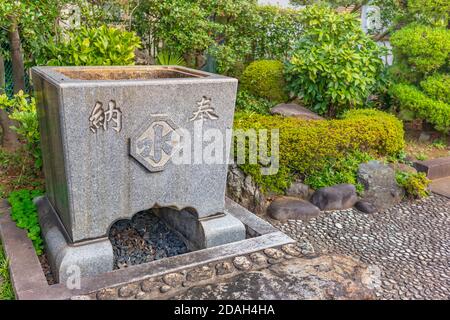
409,244
46,268
143,239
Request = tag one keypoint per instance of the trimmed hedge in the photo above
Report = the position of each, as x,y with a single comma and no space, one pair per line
437,87
434,111
264,78
425,49
307,146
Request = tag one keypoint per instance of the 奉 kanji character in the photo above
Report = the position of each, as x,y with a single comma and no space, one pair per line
204,110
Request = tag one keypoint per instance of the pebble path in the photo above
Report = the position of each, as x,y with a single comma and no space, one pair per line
408,244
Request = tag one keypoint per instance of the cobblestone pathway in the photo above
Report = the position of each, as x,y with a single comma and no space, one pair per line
409,243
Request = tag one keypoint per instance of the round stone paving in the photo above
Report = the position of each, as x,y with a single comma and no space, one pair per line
408,244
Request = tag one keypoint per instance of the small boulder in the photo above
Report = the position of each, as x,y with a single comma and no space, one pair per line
365,207
299,190
403,167
288,208
424,137
338,197
295,110
242,189
380,184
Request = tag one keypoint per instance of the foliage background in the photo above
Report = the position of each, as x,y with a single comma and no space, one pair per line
335,65
233,32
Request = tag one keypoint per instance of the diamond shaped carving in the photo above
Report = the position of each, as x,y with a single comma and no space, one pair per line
155,142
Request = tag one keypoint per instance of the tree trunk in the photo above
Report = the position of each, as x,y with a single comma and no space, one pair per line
9,140
8,137
2,75
16,57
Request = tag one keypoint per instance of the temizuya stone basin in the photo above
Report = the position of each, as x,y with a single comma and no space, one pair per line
107,136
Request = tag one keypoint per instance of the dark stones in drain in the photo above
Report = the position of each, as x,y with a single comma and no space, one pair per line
143,239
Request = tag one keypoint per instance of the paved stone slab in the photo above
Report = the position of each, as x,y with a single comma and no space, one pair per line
435,169
3,204
326,277
441,187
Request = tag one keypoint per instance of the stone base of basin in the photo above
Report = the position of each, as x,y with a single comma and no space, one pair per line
87,258
264,246
205,233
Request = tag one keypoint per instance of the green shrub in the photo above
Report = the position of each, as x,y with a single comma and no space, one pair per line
275,28
246,101
422,156
432,12
264,78
437,87
422,49
185,27
335,65
22,108
24,213
308,146
434,111
233,32
104,46
440,144
415,184
244,31
167,58
337,171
